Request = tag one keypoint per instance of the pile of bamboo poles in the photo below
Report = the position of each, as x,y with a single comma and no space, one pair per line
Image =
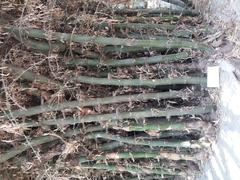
165,133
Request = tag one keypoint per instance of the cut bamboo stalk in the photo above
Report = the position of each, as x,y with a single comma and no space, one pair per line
35,142
99,101
141,82
153,143
146,155
165,126
164,27
131,61
44,46
63,37
132,169
124,49
31,76
124,115
155,11
110,145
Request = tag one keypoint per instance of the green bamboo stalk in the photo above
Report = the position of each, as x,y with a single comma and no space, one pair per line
165,126
96,101
44,139
139,155
124,49
156,11
31,76
153,143
110,145
44,46
164,27
124,115
62,37
35,142
139,83
132,169
130,61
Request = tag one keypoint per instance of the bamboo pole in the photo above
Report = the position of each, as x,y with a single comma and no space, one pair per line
124,115
98,101
146,155
153,143
155,11
164,126
31,76
137,26
140,82
131,61
25,146
131,169
63,37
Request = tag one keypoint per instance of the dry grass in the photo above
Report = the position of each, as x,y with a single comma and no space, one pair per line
50,16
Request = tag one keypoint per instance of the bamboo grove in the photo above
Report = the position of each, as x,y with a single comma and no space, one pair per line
125,96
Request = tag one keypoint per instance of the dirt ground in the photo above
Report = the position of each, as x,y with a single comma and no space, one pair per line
225,162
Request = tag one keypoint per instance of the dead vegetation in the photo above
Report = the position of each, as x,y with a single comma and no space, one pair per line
102,120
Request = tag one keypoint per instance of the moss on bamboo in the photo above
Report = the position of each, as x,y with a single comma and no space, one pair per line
130,61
